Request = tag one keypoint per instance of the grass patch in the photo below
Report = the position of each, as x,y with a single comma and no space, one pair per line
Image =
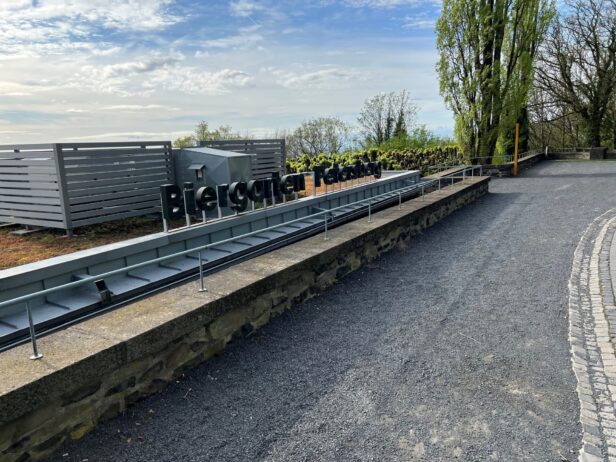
19,250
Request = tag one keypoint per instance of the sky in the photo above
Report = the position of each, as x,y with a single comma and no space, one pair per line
101,70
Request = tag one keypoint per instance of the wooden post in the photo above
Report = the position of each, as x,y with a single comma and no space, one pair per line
515,151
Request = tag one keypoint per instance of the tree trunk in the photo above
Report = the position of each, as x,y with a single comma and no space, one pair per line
594,132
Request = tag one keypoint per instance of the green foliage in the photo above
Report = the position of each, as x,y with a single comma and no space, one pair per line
406,159
322,134
184,142
419,138
487,53
204,133
224,132
386,116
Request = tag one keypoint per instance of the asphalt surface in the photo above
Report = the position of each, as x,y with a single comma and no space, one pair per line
454,348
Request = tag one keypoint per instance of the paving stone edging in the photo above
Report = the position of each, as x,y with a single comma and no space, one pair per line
592,315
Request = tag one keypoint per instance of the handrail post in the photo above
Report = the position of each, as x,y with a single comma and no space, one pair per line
325,236
369,211
399,201
423,197
314,184
35,352
201,281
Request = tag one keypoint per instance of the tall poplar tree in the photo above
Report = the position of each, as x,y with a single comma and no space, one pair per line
487,51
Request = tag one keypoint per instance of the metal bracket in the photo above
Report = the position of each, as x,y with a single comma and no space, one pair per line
103,291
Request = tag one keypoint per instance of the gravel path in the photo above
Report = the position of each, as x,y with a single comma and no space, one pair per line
454,348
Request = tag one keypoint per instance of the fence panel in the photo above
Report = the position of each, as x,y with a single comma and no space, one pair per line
109,181
30,190
269,155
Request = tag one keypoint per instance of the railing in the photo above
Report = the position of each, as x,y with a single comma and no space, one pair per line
327,218
441,167
507,158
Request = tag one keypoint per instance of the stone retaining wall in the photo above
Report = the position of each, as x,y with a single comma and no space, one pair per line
95,370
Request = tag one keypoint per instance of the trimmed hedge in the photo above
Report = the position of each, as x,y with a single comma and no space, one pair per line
417,159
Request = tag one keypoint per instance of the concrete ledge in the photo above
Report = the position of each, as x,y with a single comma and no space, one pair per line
96,369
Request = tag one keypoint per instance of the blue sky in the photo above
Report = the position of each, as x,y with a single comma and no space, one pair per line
95,70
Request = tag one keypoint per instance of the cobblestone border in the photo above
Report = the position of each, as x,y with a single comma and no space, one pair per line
591,309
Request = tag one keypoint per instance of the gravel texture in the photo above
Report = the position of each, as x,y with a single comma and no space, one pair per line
453,348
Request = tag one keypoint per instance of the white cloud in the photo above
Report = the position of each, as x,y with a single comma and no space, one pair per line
315,79
244,8
246,38
137,107
71,15
131,68
125,78
26,88
141,135
419,22
59,26
193,80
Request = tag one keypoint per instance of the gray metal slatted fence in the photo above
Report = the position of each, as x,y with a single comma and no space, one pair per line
30,193
76,184
269,155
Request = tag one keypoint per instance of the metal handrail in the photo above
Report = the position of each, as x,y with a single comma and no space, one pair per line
27,298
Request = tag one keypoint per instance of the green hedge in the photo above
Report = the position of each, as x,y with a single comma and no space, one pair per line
416,159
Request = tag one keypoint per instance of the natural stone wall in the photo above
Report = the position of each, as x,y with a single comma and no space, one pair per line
68,402
569,155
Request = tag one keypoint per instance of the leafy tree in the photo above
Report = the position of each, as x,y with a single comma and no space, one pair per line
224,132
487,53
203,133
386,116
419,138
327,135
184,141
578,63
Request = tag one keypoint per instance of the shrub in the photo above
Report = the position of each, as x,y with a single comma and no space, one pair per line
406,159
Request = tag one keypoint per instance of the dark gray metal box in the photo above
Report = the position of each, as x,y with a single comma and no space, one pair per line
206,166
